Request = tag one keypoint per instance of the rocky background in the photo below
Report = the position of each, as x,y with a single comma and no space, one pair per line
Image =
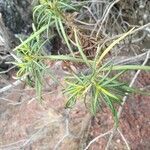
25,124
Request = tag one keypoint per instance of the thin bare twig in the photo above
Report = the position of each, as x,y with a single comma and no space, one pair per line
124,139
67,132
10,102
124,101
12,146
97,138
130,60
133,32
85,129
6,71
14,84
106,15
132,83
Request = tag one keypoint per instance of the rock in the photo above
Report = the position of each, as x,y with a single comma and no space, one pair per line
5,45
16,14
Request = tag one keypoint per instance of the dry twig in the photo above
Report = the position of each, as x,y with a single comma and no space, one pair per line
124,101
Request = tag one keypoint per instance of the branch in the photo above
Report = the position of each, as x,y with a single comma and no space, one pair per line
8,87
6,71
106,15
123,138
97,138
130,60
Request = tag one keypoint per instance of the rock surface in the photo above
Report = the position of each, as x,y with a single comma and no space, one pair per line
16,14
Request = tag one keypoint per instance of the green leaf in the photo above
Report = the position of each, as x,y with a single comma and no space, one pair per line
107,50
112,108
64,36
112,79
101,89
31,37
80,49
95,101
71,102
